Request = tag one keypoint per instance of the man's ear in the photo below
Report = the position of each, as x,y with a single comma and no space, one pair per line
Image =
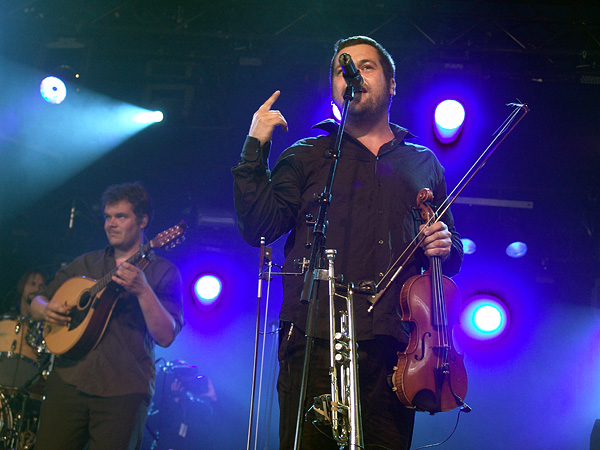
144,221
393,87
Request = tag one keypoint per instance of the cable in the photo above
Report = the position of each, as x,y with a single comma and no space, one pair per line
449,436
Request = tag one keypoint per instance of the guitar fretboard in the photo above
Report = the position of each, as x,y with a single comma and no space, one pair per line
106,279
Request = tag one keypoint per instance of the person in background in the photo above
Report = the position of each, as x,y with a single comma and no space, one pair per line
16,302
30,284
101,399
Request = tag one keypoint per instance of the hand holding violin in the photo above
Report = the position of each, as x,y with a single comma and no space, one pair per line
437,241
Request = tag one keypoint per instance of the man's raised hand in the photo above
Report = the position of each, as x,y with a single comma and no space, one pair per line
266,119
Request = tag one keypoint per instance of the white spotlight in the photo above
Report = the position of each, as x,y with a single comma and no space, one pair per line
147,117
449,118
53,90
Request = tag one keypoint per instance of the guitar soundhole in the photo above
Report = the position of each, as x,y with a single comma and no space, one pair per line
78,314
84,300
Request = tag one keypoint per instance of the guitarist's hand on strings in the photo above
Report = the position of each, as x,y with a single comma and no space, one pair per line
56,312
131,278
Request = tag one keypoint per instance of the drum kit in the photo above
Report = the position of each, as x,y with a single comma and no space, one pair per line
24,365
182,395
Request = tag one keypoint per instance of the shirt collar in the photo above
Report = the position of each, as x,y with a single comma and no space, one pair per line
331,126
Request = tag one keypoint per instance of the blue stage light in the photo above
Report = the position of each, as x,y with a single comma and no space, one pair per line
485,317
449,118
516,249
53,90
469,246
207,290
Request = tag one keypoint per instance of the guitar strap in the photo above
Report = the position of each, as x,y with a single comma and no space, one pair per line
143,264
146,259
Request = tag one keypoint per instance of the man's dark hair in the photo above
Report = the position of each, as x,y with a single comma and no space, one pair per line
386,60
134,193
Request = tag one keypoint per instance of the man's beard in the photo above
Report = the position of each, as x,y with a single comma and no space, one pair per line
371,111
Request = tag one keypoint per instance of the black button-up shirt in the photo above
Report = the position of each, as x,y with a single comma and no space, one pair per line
371,220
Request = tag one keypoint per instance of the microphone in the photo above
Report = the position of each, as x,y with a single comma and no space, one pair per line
351,74
72,216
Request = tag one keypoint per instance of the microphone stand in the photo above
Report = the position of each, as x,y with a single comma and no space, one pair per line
265,258
317,266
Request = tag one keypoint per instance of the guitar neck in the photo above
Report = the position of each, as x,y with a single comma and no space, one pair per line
106,279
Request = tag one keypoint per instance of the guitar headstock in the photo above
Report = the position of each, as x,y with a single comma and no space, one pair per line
171,237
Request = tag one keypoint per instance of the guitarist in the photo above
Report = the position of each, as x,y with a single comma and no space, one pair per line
102,398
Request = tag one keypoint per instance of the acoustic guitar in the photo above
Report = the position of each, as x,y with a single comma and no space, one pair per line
92,302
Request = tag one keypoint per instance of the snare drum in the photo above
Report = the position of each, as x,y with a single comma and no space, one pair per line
18,360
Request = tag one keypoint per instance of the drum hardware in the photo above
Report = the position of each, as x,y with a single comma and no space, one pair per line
18,432
20,410
24,365
18,359
6,420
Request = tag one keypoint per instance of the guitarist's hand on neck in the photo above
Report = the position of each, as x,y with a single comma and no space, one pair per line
160,323
131,278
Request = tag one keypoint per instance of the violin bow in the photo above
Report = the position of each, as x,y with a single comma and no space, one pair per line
500,135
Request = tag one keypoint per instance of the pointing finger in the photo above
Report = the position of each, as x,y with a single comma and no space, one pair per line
267,105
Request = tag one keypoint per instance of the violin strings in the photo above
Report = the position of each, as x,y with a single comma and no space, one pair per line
443,313
439,303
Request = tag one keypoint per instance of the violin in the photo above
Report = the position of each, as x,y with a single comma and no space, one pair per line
430,375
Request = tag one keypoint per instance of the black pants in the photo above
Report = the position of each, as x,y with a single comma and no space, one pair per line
386,422
70,419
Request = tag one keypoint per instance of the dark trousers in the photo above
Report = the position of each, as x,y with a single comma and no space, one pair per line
70,419
386,422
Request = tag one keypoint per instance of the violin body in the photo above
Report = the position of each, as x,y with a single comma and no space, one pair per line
430,372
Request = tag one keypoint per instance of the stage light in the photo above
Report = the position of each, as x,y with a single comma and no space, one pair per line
516,249
336,112
449,118
207,290
469,247
53,90
58,83
148,117
484,317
